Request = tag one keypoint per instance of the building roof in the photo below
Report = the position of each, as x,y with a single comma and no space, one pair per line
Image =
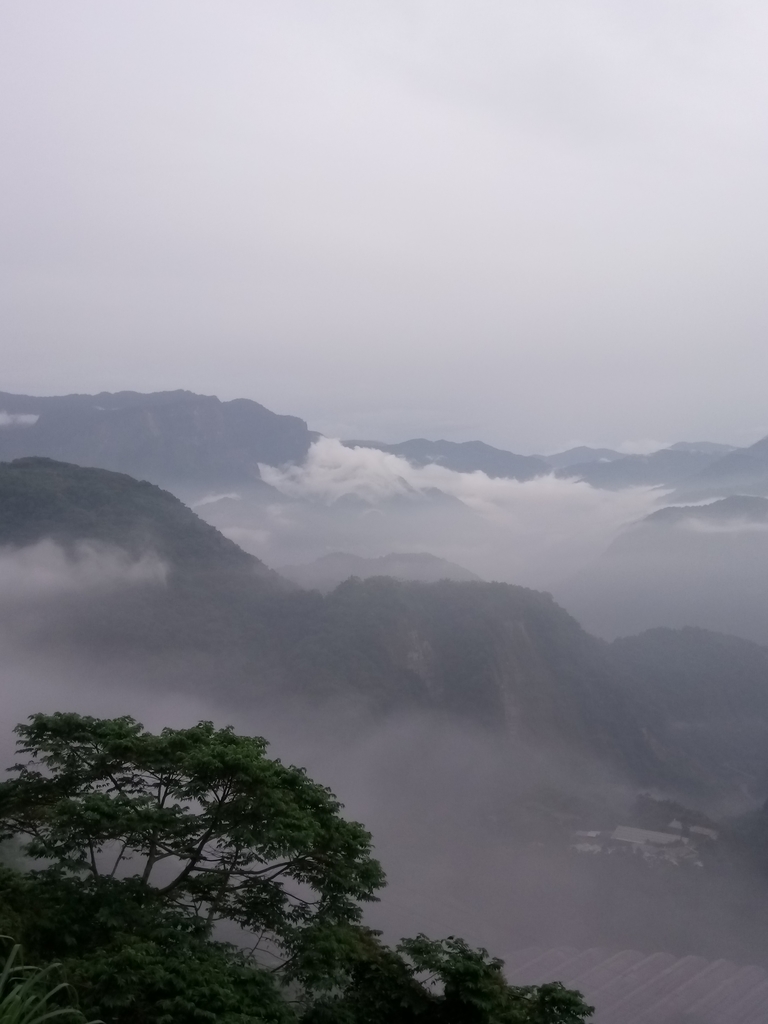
631,987
700,831
644,835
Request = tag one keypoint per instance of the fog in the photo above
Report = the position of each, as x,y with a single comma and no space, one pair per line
474,830
696,572
48,570
616,571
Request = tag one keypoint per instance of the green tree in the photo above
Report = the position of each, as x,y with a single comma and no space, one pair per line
440,982
153,839
149,841
200,817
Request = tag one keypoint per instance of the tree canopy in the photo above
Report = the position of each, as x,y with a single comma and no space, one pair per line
200,815
148,841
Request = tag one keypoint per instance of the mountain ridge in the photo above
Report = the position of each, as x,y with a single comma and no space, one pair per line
462,457
42,499
499,655
330,570
174,438
197,444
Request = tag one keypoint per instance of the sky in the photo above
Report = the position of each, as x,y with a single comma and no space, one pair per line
537,223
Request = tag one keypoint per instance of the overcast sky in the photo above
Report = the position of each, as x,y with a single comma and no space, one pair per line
537,223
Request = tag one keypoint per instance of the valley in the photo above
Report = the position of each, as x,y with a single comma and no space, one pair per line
522,776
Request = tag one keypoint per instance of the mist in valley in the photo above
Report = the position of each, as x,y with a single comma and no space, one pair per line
474,826
534,533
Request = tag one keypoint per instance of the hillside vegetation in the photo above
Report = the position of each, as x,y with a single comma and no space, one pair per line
41,498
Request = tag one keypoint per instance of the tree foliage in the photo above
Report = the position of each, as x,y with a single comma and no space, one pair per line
424,981
200,816
131,957
148,842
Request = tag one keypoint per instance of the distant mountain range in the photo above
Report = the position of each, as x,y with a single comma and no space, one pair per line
174,438
195,444
463,457
741,471
580,456
668,467
704,565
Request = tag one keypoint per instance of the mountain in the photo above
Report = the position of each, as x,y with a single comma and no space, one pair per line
580,456
599,467
196,445
711,688
741,471
463,457
665,468
43,499
696,565
327,572
173,438
503,657
738,509
707,447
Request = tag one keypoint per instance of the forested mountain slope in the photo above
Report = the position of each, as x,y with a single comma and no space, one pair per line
41,498
711,689
494,654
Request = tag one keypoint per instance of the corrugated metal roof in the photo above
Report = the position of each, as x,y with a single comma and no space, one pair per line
644,835
630,987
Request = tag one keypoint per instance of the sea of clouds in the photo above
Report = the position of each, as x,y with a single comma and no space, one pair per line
535,532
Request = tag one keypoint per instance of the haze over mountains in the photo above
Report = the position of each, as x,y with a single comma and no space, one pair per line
439,705
585,523
187,439
447,709
387,643
664,562
690,565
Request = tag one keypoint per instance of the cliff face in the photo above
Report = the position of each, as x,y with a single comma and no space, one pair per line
174,438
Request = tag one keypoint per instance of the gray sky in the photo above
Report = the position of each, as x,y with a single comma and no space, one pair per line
538,223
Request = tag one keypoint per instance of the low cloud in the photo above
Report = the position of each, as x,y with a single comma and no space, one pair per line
47,569
534,532
18,419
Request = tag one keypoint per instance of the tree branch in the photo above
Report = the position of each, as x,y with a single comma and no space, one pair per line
119,858
190,866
